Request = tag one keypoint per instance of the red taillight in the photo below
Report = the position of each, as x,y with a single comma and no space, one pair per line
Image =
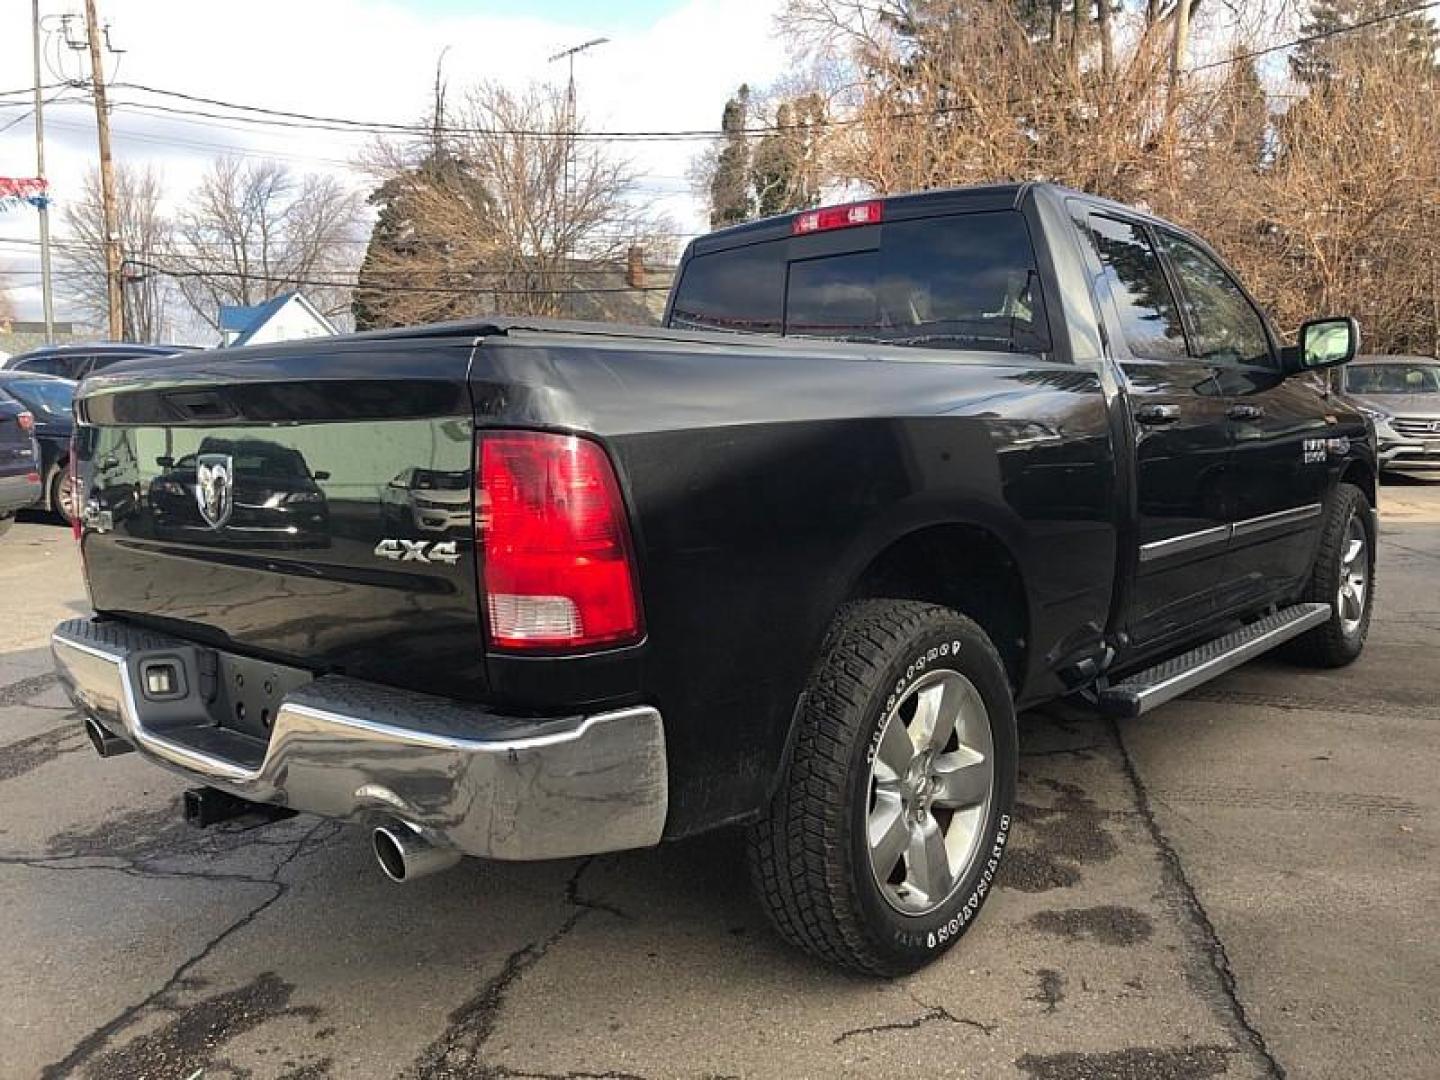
837,217
559,569
26,421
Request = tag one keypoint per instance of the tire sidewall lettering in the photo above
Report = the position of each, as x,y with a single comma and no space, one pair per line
957,923
913,671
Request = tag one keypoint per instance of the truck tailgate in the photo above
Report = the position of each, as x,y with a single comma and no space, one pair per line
311,508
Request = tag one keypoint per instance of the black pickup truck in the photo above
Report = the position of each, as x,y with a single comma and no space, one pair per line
890,472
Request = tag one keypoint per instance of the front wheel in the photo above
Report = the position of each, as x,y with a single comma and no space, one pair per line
1344,578
886,833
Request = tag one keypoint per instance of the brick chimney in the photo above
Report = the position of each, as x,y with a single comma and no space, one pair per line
635,267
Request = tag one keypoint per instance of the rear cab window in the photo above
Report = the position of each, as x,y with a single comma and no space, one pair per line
960,281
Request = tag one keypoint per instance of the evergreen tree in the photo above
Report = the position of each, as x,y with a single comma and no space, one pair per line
730,201
1318,62
784,176
1243,114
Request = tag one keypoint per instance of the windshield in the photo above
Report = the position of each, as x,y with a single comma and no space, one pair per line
1393,379
43,395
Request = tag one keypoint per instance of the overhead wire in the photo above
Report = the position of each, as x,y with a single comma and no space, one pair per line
268,116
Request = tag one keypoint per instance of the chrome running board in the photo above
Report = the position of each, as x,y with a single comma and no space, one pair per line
1154,686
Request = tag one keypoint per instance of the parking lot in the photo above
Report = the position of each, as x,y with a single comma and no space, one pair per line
1242,883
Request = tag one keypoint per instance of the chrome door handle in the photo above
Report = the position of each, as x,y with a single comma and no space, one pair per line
1157,413
1246,412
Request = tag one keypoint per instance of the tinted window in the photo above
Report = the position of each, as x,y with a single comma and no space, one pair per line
48,365
100,362
1228,330
1149,319
42,395
740,289
967,281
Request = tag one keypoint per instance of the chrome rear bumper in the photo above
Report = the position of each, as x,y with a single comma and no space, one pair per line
488,785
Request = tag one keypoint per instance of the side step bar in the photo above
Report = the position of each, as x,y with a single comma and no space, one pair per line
1154,686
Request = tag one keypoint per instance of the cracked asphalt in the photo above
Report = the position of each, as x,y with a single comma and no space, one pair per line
1243,884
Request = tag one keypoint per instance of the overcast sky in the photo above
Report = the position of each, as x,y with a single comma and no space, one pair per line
670,64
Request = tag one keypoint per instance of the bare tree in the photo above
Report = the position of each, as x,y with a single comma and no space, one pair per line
145,234
252,230
1324,192
506,210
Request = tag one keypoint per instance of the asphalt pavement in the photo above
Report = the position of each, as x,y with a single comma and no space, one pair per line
1243,883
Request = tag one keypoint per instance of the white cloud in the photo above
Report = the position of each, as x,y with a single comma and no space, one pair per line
372,59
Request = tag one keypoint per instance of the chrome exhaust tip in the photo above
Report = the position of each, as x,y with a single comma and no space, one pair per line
106,744
404,855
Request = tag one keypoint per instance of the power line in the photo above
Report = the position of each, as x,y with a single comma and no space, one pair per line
266,116
1363,24
27,91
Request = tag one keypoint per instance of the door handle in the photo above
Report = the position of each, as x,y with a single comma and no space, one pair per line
1245,412
1156,412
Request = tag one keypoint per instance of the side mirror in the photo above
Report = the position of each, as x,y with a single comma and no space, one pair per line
1324,343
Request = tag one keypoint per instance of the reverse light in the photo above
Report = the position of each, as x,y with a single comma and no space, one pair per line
837,217
559,567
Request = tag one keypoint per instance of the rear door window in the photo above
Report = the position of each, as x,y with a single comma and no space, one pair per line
966,281
1149,318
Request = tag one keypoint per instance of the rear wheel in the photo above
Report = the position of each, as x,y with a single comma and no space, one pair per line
1344,578
62,494
887,831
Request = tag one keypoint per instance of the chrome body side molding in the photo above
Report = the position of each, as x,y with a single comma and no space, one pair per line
1220,534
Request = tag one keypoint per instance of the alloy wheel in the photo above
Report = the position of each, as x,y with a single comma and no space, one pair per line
931,783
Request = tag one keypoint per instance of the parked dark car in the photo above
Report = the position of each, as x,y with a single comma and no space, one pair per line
19,460
50,400
892,471
77,361
1401,394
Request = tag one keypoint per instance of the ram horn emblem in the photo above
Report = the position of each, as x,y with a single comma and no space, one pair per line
214,481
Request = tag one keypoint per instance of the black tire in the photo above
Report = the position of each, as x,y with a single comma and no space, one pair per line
1338,641
809,855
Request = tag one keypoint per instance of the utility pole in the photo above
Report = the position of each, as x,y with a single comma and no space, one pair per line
47,295
114,293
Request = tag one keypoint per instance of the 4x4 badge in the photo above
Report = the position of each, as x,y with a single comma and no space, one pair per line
426,551
214,488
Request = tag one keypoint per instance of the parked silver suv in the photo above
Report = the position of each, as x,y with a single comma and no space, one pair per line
1402,395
